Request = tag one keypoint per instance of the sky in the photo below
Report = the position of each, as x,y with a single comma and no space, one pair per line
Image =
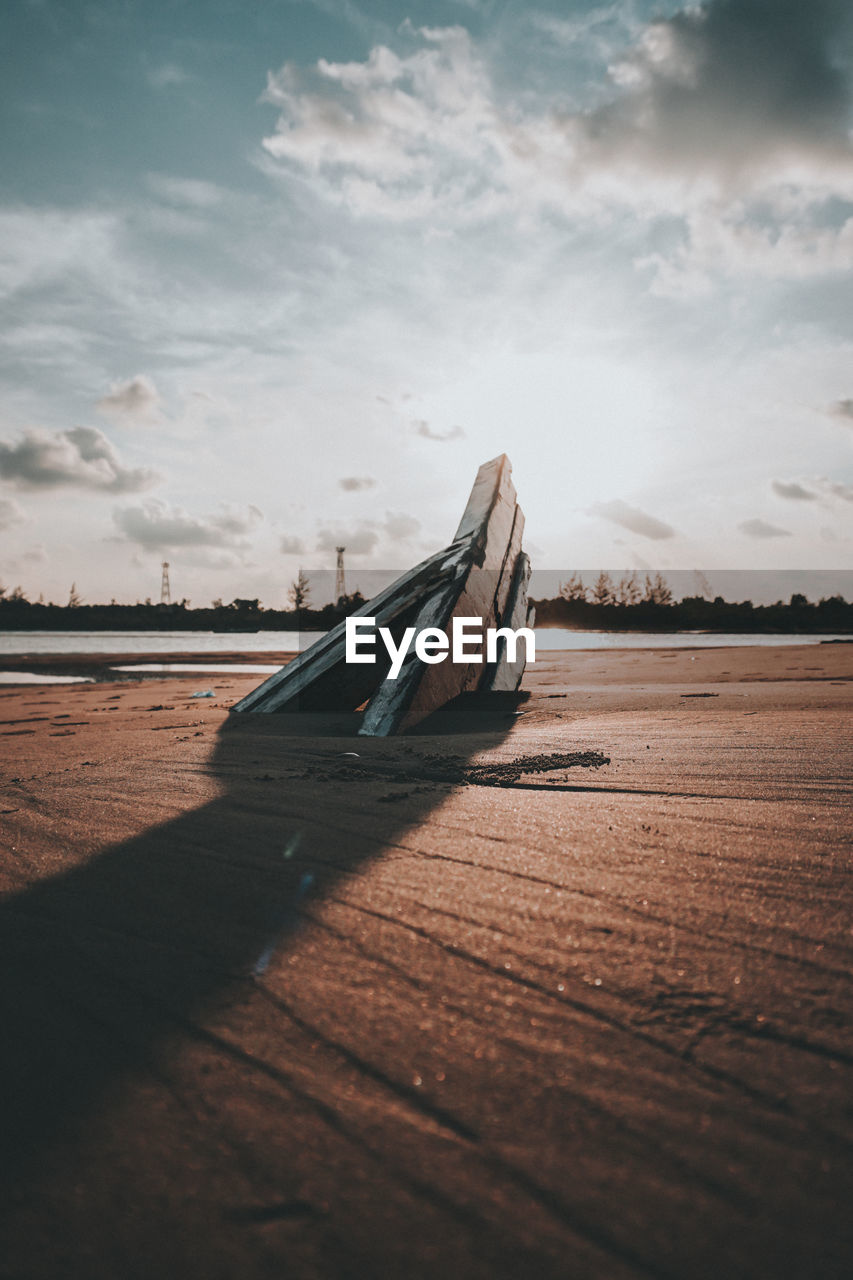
278,275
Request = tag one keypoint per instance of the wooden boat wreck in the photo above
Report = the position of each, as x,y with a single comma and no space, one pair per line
482,574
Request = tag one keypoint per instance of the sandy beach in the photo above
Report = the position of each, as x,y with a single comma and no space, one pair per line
555,987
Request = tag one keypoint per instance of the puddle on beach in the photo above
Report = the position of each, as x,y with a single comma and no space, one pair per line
36,677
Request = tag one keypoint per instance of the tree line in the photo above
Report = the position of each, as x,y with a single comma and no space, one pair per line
17,613
632,605
626,605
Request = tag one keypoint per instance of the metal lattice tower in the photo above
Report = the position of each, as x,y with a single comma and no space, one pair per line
340,580
165,590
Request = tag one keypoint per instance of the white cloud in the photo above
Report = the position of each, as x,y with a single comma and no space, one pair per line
82,458
156,526
399,526
290,545
10,513
631,518
838,490
422,428
758,528
135,398
751,151
39,246
168,75
359,540
364,538
194,192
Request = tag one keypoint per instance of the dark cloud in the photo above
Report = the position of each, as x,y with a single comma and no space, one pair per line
792,490
631,518
758,528
729,84
136,398
82,457
156,526
354,484
291,546
422,428
10,513
842,409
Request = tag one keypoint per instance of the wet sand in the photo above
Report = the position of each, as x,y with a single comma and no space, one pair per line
563,993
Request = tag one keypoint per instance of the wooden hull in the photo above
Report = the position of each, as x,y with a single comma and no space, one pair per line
483,574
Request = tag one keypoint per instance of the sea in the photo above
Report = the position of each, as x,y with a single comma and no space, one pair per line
64,644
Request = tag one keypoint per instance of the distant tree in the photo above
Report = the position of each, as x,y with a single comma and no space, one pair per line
798,601
604,591
656,591
74,600
299,590
217,603
574,588
18,595
628,591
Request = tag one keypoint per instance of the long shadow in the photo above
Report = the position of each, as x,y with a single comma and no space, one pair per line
102,964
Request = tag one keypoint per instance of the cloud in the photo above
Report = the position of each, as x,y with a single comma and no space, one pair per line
842,409
365,537
394,136
422,428
291,546
400,527
359,540
156,526
354,484
39,246
792,490
82,458
10,513
631,518
135,398
838,490
749,150
757,528
167,76
697,99
195,192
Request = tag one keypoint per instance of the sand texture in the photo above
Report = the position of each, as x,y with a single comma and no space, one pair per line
555,987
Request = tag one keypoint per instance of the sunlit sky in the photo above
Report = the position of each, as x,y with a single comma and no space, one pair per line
278,276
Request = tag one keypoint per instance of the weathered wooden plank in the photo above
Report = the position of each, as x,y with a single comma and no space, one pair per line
504,676
492,523
474,577
484,596
282,689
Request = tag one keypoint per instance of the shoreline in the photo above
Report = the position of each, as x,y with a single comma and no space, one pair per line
107,667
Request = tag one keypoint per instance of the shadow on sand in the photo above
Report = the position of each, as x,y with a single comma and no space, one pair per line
102,964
